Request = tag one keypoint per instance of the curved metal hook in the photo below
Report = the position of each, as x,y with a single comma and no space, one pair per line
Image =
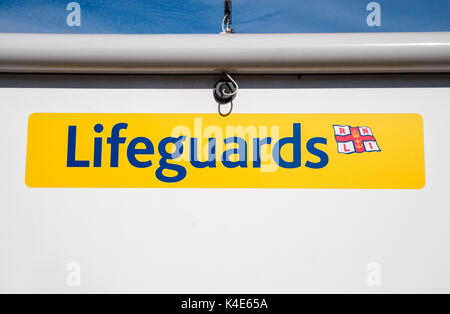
235,85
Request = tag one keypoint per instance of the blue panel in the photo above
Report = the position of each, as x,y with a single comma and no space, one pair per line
205,16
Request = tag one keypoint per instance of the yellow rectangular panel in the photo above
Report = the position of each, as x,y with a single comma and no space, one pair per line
344,151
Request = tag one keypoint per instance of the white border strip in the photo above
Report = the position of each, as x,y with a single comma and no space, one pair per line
238,53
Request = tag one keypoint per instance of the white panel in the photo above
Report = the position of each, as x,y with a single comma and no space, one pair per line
219,241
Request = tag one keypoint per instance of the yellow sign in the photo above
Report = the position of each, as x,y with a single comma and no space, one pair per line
343,151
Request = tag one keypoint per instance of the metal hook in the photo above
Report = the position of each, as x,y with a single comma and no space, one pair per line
235,85
227,20
224,92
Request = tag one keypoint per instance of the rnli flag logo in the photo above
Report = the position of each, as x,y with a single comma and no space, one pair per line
355,139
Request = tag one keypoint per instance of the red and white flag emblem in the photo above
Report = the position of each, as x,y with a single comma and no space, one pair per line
355,139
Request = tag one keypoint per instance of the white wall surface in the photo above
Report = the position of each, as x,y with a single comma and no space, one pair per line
215,240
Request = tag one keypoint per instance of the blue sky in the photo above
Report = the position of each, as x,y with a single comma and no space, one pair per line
204,16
